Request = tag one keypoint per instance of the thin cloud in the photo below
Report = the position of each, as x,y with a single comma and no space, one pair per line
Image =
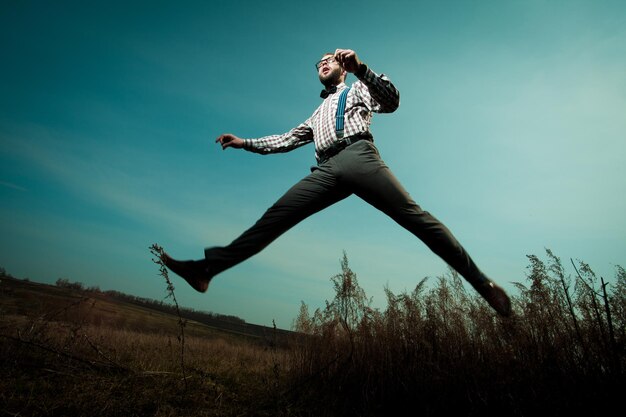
12,186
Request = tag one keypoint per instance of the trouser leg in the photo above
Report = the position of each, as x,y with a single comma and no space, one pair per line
374,182
310,195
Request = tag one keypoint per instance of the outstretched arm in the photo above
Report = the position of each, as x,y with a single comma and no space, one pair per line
296,137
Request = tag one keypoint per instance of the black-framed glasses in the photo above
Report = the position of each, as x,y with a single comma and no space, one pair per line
321,62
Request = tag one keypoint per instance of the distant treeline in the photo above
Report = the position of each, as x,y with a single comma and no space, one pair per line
160,305
221,321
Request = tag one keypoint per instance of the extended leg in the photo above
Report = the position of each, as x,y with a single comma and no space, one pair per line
385,193
310,195
369,178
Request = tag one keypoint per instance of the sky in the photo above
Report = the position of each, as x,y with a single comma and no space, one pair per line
511,130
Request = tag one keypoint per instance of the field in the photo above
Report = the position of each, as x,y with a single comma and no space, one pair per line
437,350
65,352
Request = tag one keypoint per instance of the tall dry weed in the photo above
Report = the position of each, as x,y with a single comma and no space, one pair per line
441,349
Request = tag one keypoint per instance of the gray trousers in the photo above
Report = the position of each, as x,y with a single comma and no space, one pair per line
359,170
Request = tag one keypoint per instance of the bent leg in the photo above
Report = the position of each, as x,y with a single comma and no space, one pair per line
310,195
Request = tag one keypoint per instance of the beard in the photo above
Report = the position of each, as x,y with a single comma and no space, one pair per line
333,77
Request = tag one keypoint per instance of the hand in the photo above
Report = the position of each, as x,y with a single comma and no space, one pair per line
348,60
230,141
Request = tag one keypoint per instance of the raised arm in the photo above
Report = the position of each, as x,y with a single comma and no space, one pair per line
380,94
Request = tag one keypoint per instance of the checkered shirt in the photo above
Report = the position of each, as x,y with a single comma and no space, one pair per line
371,93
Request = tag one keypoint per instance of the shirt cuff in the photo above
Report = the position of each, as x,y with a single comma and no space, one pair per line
369,77
362,71
247,144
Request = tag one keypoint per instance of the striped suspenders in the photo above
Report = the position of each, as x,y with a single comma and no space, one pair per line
341,111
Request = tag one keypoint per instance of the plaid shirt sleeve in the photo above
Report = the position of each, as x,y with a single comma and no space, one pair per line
296,137
377,92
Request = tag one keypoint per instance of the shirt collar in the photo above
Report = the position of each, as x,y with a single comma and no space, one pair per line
328,92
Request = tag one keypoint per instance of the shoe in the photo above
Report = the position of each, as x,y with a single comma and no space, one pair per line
196,273
496,297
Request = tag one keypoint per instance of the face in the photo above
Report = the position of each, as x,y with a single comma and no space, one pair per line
329,71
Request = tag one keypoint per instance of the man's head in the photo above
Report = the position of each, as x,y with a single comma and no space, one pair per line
329,71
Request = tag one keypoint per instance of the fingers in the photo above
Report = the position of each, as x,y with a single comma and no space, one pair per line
347,58
228,140
342,55
225,140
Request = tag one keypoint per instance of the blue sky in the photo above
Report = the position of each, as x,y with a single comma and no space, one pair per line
511,130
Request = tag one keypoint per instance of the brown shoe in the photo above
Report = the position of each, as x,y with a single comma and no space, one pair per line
496,297
196,273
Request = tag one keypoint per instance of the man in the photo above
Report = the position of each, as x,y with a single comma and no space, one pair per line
347,163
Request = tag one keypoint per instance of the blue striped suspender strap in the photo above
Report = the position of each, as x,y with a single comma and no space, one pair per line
341,111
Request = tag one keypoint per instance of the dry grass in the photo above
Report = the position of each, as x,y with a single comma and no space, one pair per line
437,350
442,351
79,357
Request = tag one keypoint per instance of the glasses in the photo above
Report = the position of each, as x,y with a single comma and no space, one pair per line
321,62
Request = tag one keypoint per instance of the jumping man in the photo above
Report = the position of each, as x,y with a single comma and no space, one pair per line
347,163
